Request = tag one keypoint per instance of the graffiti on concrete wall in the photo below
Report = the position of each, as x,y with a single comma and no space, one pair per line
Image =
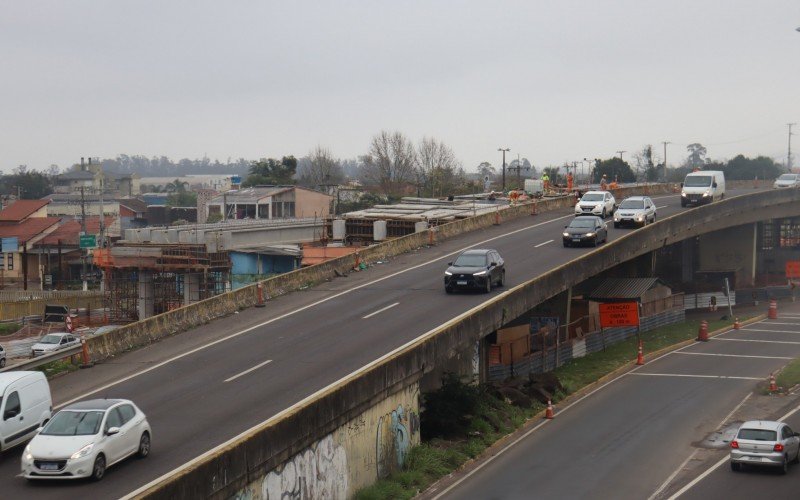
320,471
395,436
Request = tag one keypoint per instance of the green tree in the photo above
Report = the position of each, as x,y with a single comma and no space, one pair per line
697,155
182,199
743,168
614,169
272,172
30,184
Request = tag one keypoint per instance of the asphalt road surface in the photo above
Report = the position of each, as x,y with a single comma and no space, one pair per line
203,387
631,438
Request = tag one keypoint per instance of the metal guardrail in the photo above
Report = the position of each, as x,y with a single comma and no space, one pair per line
43,360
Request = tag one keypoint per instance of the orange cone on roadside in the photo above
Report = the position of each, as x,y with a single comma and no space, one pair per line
87,363
773,309
260,300
702,335
640,356
737,325
548,414
773,386
497,217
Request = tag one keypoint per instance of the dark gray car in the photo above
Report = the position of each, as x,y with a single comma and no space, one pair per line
585,230
477,269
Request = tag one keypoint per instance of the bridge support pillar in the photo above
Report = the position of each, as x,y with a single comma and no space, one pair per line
731,250
463,363
145,292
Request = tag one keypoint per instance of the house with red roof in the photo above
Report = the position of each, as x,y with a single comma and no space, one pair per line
22,225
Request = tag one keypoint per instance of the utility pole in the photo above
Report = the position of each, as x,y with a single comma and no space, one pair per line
789,155
504,150
83,230
620,154
665,159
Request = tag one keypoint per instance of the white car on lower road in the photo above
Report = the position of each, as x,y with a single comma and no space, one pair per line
635,211
600,203
83,439
53,342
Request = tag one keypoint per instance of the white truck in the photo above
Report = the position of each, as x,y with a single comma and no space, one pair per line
702,187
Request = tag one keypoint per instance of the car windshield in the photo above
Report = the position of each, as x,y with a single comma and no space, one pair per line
632,204
470,260
757,435
50,339
582,223
697,181
592,197
74,423
787,177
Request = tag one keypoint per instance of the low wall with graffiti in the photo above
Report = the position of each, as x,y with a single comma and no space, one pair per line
355,455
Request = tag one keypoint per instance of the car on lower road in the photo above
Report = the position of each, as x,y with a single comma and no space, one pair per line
585,230
477,269
787,180
600,203
635,211
84,439
53,342
765,443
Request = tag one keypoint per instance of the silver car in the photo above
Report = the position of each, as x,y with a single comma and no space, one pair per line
635,211
764,442
787,180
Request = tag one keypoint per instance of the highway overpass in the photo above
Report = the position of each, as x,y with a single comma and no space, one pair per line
207,386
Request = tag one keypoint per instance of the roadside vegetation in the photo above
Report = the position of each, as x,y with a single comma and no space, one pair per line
59,367
789,376
9,328
460,420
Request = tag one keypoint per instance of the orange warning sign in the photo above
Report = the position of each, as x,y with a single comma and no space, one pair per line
614,314
793,268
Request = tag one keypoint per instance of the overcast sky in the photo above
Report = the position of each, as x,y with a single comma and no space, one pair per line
555,81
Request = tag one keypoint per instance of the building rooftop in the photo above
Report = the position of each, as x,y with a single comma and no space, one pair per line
68,232
21,209
28,229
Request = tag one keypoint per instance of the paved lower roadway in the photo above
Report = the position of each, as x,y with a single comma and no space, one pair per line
632,438
206,386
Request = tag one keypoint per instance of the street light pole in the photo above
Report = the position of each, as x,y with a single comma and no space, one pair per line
789,155
665,159
504,150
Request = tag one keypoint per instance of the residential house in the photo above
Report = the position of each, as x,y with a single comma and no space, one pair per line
23,224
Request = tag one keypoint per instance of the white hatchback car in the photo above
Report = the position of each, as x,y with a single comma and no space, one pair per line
765,443
85,438
600,203
787,180
53,342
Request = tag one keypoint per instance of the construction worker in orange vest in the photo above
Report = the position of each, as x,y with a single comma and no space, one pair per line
569,181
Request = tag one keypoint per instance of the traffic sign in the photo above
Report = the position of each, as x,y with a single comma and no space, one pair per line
793,268
68,321
613,314
88,241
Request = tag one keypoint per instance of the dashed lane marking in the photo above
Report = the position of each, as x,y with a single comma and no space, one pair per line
380,310
757,340
249,370
543,244
733,355
765,330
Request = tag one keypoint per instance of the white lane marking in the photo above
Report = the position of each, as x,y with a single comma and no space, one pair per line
719,464
764,330
733,355
690,457
543,244
686,375
248,371
308,306
775,323
380,310
761,341
665,206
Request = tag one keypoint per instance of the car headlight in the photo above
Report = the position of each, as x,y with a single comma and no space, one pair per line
705,194
565,235
448,273
683,194
639,217
27,453
480,273
589,235
83,451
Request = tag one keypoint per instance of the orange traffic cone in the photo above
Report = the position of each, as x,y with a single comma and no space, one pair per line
773,386
737,325
773,309
640,357
548,414
497,217
702,335
260,300
85,354
358,262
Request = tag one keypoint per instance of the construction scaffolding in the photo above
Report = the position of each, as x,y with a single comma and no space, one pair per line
142,279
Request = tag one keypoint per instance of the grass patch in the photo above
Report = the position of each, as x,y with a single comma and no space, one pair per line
61,366
9,328
790,375
460,420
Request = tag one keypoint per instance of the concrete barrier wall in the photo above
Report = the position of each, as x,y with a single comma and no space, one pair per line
233,466
355,455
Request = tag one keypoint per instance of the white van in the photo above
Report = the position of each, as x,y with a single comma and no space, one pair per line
25,407
702,187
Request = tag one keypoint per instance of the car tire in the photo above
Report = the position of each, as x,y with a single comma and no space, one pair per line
683,204
99,468
448,289
616,225
502,281
2,363
566,245
144,445
797,457
736,467
604,213
784,466
488,287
